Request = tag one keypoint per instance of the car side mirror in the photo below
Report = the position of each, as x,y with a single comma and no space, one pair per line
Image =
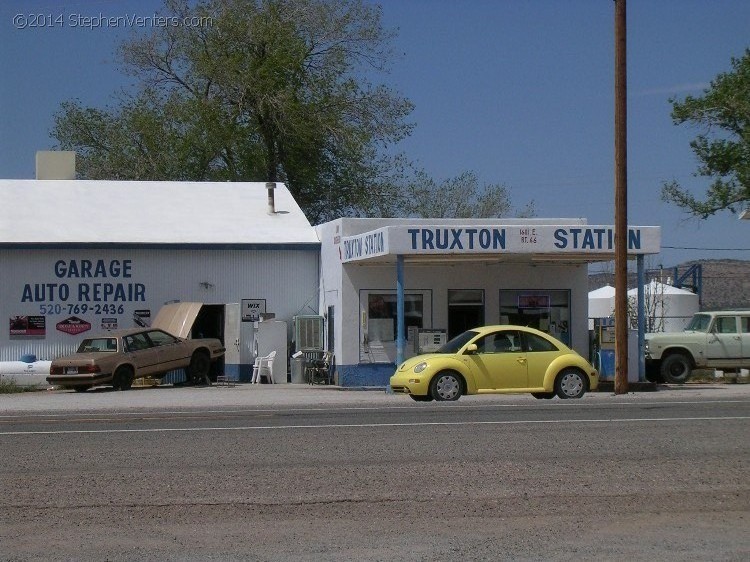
471,348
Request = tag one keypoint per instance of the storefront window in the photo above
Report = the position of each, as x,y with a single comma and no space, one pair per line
381,313
548,311
378,340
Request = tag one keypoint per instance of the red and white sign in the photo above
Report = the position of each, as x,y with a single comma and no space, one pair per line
73,326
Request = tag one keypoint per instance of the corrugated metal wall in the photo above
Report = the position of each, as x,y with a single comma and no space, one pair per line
97,285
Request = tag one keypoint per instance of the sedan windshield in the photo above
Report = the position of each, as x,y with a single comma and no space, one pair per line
458,342
699,323
98,344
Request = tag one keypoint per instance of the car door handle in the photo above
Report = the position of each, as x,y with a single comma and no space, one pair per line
521,360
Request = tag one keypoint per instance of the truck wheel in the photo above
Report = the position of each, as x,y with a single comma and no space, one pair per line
677,368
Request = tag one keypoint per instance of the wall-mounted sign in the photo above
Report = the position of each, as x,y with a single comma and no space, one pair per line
27,327
252,309
485,238
73,326
142,318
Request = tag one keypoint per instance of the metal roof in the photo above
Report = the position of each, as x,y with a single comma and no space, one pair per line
149,212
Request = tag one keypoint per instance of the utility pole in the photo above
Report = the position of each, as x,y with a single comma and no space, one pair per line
621,204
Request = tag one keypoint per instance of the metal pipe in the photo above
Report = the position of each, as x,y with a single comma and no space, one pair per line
271,186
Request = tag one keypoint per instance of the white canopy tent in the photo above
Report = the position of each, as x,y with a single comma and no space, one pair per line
602,302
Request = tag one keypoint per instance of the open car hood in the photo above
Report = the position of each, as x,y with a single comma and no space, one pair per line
177,318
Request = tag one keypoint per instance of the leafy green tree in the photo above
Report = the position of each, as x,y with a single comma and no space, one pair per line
462,196
262,90
723,149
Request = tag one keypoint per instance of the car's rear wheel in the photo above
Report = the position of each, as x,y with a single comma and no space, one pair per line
200,365
418,398
570,384
677,368
123,378
543,395
446,386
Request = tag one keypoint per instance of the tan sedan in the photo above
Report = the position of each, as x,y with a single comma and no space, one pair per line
120,357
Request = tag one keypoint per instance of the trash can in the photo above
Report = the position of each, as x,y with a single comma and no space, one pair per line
298,370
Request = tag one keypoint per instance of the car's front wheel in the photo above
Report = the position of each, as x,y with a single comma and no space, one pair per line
200,365
123,378
446,386
677,368
570,384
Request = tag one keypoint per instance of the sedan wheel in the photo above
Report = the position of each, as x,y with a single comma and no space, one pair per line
200,365
122,379
446,387
570,384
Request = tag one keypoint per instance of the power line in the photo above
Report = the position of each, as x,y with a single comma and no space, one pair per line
707,249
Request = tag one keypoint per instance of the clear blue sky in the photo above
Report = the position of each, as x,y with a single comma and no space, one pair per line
521,92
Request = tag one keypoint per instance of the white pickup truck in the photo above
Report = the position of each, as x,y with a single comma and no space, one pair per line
712,340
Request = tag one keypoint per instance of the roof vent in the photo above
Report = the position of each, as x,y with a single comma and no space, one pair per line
271,186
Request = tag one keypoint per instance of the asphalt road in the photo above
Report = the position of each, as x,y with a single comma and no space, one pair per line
299,473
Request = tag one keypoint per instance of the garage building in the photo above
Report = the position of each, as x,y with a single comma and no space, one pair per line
95,255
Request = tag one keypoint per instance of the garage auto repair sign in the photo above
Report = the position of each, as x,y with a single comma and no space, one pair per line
97,282
77,288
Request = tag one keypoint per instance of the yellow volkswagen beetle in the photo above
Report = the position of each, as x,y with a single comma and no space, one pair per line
493,360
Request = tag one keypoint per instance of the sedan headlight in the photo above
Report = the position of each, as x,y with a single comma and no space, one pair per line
419,367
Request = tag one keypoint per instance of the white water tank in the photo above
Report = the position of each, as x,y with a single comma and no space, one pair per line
675,306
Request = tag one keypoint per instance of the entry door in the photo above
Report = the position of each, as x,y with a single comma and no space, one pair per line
232,333
465,310
500,362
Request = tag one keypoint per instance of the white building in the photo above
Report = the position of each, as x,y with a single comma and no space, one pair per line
94,255
455,274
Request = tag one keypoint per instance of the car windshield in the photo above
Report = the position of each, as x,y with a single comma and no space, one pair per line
98,344
699,323
458,342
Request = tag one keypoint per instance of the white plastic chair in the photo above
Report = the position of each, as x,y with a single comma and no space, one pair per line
263,367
